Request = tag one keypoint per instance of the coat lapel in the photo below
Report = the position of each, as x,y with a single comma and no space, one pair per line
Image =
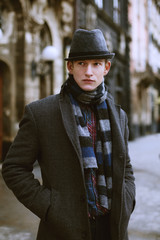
117,136
118,159
118,144
70,124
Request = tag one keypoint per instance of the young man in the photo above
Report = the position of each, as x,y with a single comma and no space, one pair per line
79,138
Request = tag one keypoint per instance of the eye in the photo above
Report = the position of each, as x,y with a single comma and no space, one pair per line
81,63
97,63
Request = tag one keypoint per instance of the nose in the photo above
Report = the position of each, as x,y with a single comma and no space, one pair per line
88,72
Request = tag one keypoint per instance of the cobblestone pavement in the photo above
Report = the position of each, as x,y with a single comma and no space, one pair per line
18,223
8,233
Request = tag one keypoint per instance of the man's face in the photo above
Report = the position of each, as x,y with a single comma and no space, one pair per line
88,74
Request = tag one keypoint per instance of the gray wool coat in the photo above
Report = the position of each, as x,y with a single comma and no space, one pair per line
48,134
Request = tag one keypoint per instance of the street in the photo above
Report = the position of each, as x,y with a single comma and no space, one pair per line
17,223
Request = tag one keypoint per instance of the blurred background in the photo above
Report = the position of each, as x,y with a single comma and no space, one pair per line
35,37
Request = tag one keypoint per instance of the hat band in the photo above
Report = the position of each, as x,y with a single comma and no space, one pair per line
77,54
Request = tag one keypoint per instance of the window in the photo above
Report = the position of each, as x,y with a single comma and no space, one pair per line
119,90
116,11
99,3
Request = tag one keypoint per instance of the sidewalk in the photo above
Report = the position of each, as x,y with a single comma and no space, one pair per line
16,221
145,220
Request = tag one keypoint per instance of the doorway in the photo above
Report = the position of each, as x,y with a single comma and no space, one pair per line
5,109
0,117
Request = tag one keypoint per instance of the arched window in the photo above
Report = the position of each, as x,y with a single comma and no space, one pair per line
46,69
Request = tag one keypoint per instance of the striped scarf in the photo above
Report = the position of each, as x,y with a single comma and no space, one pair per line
100,159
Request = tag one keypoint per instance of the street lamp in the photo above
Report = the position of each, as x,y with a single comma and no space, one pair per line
49,53
1,25
43,67
1,33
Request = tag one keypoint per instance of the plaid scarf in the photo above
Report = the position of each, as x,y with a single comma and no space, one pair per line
100,159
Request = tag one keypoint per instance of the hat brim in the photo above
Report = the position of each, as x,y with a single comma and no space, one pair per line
87,57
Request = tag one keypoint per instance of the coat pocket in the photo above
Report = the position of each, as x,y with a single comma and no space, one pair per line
57,218
52,211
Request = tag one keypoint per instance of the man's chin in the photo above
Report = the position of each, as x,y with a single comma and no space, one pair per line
88,88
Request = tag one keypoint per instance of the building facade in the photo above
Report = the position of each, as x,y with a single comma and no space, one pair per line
28,69
144,17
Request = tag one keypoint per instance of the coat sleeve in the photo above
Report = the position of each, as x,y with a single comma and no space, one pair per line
18,166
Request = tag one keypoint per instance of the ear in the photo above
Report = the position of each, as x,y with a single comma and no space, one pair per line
107,67
70,67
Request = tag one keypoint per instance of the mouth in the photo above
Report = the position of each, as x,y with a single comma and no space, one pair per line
88,80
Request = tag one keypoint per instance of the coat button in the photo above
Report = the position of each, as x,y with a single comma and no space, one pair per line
82,198
121,156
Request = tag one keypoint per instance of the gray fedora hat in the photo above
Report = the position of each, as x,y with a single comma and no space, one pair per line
89,45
